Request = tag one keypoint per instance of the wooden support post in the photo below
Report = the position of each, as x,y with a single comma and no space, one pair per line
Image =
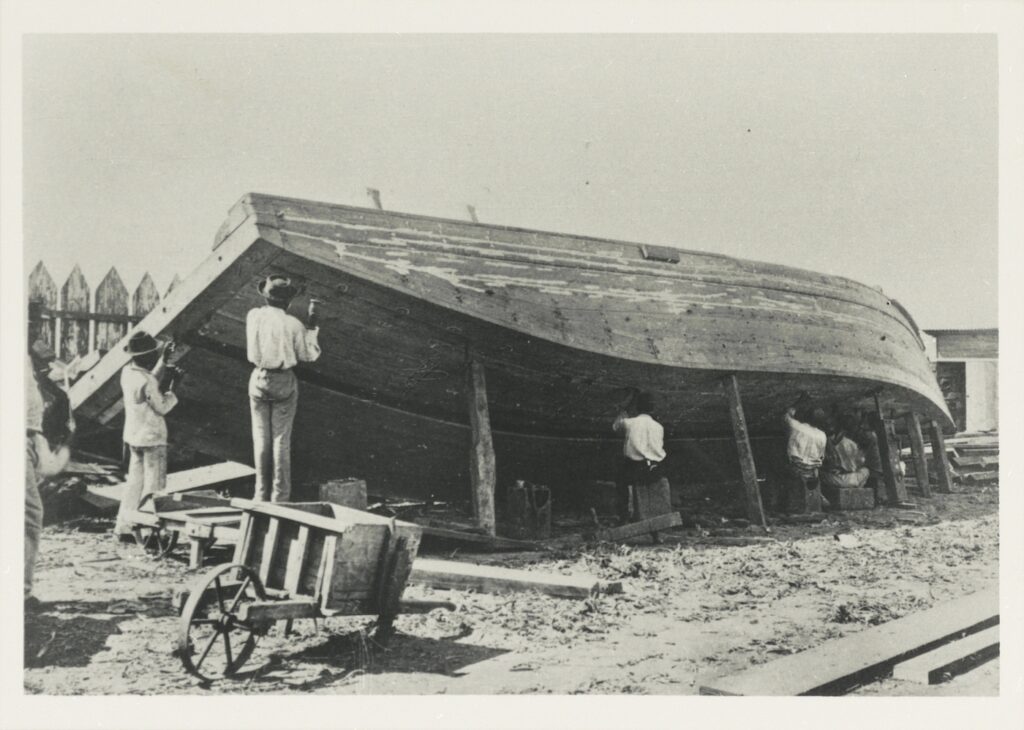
481,469
917,449
939,458
892,486
755,511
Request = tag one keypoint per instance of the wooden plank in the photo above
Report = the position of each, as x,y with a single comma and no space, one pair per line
296,560
277,610
146,297
482,466
755,510
917,449
111,298
244,544
491,579
635,529
497,543
356,564
269,549
940,459
206,476
835,665
325,571
949,660
42,291
74,331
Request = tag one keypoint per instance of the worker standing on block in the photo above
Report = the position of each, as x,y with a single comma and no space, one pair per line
643,450
805,450
145,430
276,343
40,462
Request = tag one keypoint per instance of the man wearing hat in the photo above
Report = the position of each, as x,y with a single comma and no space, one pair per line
145,430
276,342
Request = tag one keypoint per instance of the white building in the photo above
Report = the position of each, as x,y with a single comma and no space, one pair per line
966,364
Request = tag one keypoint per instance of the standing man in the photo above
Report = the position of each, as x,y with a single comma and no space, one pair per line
276,342
40,462
643,450
145,429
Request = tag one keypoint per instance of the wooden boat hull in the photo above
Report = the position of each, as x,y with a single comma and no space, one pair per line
566,328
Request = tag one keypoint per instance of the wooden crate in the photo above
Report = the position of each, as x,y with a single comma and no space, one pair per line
849,498
346,492
348,561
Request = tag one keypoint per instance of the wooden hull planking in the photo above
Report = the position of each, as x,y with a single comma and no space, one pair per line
565,326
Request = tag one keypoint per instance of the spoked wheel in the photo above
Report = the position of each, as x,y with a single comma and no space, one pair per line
213,643
155,540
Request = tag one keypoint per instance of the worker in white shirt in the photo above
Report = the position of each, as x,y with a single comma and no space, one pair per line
40,462
145,429
643,450
276,342
805,447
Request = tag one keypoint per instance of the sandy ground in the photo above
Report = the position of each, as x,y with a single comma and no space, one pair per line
689,612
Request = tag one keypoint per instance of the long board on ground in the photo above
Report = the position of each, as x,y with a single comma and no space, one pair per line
951,659
491,579
837,665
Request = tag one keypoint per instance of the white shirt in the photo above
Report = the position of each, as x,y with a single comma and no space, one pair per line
144,407
806,444
275,340
645,437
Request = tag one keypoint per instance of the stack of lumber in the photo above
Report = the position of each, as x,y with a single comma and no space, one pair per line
838,665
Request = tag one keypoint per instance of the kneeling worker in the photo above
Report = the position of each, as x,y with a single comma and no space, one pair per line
643,450
145,430
805,451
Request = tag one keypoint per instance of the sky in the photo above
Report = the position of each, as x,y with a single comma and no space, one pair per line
867,156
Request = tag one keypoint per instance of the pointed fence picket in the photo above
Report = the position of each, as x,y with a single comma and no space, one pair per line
74,323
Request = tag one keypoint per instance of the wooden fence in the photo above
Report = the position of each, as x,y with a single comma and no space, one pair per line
74,322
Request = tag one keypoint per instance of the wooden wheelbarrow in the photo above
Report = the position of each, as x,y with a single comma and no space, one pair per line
294,561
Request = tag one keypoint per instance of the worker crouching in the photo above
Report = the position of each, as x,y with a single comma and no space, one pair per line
643,452
276,342
145,429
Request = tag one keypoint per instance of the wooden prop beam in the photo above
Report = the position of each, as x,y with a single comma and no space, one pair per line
892,485
917,449
482,467
940,459
493,579
836,665
755,510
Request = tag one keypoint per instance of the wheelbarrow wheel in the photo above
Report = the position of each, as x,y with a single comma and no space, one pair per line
155,540
213,643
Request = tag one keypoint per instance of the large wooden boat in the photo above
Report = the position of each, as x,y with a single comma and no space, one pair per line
565,327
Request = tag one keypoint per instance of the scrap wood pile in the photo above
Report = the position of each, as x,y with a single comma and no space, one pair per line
65,495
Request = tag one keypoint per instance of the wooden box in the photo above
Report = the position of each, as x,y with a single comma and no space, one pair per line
849,498
349,562
346,492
